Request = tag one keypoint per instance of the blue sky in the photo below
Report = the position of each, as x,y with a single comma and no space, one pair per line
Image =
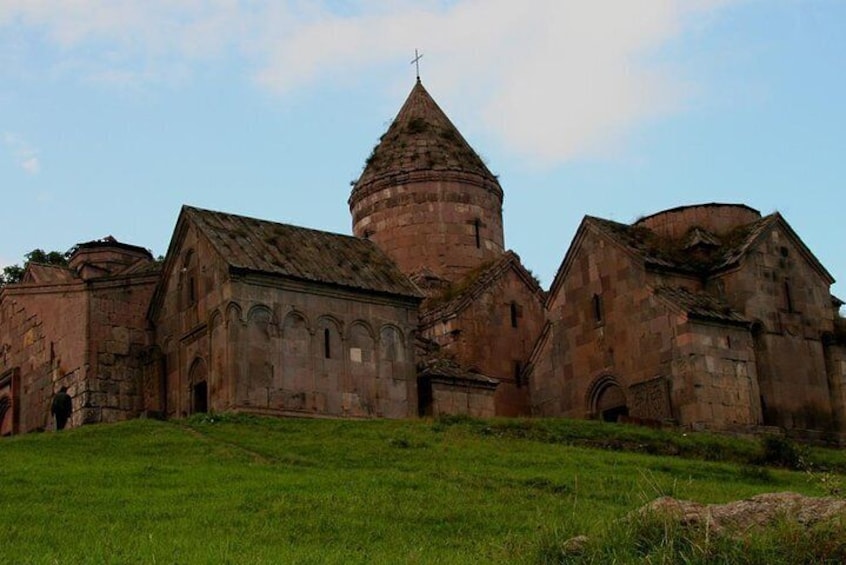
113,113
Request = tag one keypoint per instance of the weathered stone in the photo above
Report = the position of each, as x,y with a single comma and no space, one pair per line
739,517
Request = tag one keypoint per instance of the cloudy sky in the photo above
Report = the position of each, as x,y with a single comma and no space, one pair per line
113,113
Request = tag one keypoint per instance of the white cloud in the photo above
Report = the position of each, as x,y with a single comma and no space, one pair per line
24,154
552,79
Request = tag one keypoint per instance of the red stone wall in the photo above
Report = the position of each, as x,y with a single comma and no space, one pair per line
432,224
450,399
85,336
631,343
193,289
482,336
716,218
714,380
791,362
267,345
665,365
118,338
42,338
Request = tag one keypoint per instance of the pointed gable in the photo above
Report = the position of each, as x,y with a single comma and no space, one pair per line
422,138
459,296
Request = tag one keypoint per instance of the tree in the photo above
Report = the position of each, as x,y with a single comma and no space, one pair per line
14,273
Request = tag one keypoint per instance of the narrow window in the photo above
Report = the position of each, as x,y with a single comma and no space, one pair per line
788,298
476,229
514,314
327,352
518,374
597,308
192,290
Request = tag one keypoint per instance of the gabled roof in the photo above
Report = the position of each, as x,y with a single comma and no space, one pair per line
701,306
422,138
462,293
42,273
259,246
710,255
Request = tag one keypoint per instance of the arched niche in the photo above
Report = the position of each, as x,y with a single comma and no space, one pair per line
607,399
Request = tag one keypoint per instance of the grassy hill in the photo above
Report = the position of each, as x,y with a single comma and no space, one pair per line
240,489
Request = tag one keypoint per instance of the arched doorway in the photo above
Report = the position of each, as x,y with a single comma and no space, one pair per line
197,376
607,400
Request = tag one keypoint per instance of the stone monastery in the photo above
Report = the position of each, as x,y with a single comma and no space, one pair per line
707,316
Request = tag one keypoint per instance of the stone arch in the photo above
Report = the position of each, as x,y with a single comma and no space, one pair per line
234,312
361,341
293,316
607,399
296,326
363,326
391,344
261,317
5,415
215,318
329,335
198,381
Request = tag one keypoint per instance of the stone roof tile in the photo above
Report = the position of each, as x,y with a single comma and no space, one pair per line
721,252
262,246
422,138
701,306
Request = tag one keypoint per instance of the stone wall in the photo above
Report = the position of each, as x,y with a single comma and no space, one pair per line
494,335
266,344
118,339
714,380
42,340
604,324
779,288
716,218
447,226
452,399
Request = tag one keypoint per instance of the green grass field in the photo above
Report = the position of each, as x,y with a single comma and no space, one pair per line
238,489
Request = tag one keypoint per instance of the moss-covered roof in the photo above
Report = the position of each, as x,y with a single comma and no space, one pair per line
422,138
699,252
701,306
260,246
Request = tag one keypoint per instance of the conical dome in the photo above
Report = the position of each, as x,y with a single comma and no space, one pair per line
425,196
422,139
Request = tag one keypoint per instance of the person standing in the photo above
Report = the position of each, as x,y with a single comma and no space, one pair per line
61,408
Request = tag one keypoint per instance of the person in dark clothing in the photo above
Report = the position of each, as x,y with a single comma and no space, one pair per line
61,407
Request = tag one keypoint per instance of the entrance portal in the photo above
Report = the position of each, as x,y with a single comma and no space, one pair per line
608,400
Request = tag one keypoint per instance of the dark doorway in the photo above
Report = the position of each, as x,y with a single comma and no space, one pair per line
609,401
201,398
424,397
613,414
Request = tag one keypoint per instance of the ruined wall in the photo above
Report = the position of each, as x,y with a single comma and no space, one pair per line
42,341
777,286
448,226
450,399
117,340
494,336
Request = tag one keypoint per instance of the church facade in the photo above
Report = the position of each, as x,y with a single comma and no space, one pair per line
708,316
